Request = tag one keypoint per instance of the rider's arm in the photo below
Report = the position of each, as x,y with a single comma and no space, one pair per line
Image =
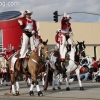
21,23
34,27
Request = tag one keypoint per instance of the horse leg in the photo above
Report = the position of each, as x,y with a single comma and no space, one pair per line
28,81
31,89
58,82
12,84
1,81
43,78
60,78
34,77
67,80
78,77
17,85
55,81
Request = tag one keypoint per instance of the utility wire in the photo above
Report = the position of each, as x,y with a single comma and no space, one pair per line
82,12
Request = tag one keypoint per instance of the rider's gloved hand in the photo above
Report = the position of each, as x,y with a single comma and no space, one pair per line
65,14
33,32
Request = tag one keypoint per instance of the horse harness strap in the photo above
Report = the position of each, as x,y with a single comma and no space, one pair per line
39,51
46,52
82,51
35,61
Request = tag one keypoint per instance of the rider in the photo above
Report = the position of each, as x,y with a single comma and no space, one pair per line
30,30
57,38
7,54
66,27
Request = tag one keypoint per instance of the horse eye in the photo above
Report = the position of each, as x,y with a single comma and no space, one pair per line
42,47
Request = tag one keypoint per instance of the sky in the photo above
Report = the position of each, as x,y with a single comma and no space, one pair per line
43,9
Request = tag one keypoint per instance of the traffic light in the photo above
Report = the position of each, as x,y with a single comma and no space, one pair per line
55,16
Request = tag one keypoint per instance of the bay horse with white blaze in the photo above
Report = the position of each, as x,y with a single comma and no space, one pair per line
34,66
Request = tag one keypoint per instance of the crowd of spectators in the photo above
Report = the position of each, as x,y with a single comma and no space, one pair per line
91,74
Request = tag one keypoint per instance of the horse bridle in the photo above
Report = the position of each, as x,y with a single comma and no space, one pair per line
40,48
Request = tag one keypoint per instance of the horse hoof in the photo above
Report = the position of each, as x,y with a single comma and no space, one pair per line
67,89
6,84
17,92
53,89
31,93
81,88
40,93
59,87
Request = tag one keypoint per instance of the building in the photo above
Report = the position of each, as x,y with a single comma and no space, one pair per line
10,29
83,31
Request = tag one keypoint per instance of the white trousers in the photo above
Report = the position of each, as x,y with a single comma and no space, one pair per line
24,47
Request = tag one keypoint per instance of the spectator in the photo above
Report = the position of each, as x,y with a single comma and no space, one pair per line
95,64
84,74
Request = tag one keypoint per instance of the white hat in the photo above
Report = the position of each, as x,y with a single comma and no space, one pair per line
59,30
27,12
4,49
68,16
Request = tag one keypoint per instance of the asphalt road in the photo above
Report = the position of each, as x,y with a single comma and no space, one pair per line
91,92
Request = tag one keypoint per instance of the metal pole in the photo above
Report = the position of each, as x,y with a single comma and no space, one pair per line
95,52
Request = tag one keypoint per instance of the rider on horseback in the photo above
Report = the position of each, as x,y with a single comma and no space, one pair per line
30,30
66,28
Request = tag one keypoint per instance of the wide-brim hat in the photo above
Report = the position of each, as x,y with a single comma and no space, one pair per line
4,49
59,30
27,12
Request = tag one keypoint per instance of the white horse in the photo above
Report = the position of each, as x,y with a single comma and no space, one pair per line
74,54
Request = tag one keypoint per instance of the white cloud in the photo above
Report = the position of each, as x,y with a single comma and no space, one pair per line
43,9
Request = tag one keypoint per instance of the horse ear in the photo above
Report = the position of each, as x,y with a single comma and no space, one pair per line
46,41
77,42
83,42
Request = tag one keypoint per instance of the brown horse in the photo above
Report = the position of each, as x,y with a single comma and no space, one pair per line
35,65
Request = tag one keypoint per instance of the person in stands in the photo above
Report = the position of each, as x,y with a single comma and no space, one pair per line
95,64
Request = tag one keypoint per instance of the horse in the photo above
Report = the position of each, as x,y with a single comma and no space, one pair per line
73,63
34,66
55,68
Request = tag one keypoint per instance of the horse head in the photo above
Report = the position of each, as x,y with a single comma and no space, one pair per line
43,49
81,48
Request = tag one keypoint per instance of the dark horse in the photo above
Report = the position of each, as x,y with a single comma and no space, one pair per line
34,66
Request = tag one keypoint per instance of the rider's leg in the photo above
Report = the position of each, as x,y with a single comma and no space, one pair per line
13,60
24,47
70,41
32,43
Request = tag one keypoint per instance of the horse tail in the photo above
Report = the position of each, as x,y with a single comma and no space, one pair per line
8,74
